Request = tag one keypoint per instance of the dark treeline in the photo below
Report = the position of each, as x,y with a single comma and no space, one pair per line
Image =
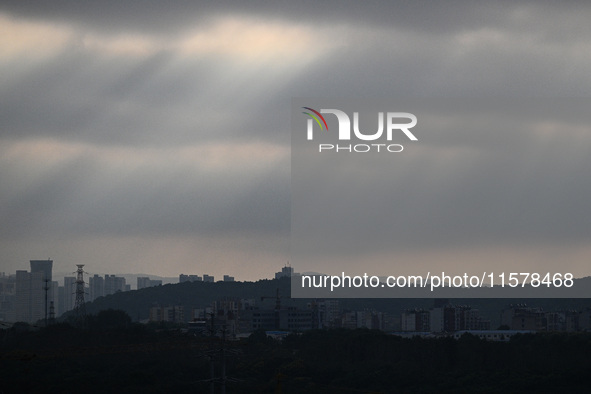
119,356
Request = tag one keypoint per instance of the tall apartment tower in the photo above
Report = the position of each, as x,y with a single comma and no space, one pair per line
96,287
286,271
69,293
40,272
143,282
113,284
30,303
23,296
43,266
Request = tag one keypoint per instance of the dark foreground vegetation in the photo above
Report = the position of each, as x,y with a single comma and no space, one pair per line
117,356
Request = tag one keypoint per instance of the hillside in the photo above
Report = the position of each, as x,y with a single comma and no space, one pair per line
191,295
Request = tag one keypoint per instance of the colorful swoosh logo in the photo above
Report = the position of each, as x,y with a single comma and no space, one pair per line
315,116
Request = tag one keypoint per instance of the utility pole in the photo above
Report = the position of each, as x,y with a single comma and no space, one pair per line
211,356
223,350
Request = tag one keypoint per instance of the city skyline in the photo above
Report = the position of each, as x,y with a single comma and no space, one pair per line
41,294
157,137
137,277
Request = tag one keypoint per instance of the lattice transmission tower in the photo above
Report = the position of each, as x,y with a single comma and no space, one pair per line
79,306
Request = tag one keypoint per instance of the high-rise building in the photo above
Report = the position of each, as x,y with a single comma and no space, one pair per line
69,293
228,278
33,291
54,296
96,287
189,278
143,282
7,297
286,271
43,266
23,296
208,278
61,300
38,295
40,285
113,284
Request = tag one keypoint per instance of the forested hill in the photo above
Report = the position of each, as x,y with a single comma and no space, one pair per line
137,303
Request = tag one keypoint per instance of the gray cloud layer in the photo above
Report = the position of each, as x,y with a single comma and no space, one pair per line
132,123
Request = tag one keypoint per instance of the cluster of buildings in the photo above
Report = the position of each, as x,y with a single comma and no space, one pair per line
522,317
174,314
242,316
28,295
31,296
286,271
205,278
519,318
443,317
99,286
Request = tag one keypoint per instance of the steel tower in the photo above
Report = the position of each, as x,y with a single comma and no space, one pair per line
79,305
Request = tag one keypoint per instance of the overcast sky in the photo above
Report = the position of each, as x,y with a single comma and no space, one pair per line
155,138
